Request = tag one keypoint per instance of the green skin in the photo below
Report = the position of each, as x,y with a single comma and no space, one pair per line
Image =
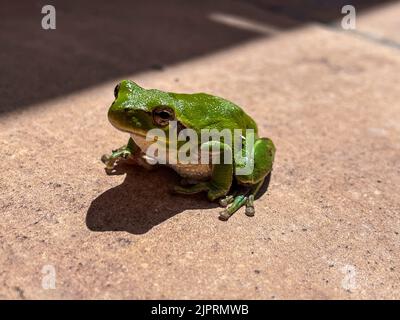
137,110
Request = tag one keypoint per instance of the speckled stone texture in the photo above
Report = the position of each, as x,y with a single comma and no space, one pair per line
328,227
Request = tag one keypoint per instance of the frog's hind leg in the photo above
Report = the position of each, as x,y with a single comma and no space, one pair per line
213,191
192,189
188,181
264,152
217,187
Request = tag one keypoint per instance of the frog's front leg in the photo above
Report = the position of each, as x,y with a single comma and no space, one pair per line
121,153
221,177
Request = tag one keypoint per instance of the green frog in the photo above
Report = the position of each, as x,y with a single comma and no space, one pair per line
138,111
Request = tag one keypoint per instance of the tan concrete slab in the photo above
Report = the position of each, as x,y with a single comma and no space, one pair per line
381,22
328,227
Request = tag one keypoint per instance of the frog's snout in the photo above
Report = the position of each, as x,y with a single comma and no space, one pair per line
121,116
122,112
117,115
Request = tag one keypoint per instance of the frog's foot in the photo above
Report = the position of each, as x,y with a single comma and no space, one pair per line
238,201
121,153
125,152
224,202
213,192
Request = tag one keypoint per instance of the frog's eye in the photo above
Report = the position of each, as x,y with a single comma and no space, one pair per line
163,115
116,90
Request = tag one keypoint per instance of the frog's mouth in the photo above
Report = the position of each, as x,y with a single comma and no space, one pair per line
119,125
149,139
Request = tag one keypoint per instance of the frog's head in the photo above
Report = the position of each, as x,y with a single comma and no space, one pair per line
137,110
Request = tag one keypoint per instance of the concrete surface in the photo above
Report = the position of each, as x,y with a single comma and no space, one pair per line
328,227
382,23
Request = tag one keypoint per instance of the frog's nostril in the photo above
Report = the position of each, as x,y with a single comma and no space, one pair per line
116,89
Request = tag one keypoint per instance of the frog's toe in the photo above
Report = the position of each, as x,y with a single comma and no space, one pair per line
224,215
105,158
224,202
109,161
250,211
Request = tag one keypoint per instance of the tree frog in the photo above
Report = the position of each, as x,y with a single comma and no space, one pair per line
137,110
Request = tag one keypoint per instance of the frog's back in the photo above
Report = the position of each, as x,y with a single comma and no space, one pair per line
204,111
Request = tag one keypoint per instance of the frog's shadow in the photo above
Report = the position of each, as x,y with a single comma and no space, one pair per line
143,201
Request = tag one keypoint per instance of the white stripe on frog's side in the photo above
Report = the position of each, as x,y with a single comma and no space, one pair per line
192,171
